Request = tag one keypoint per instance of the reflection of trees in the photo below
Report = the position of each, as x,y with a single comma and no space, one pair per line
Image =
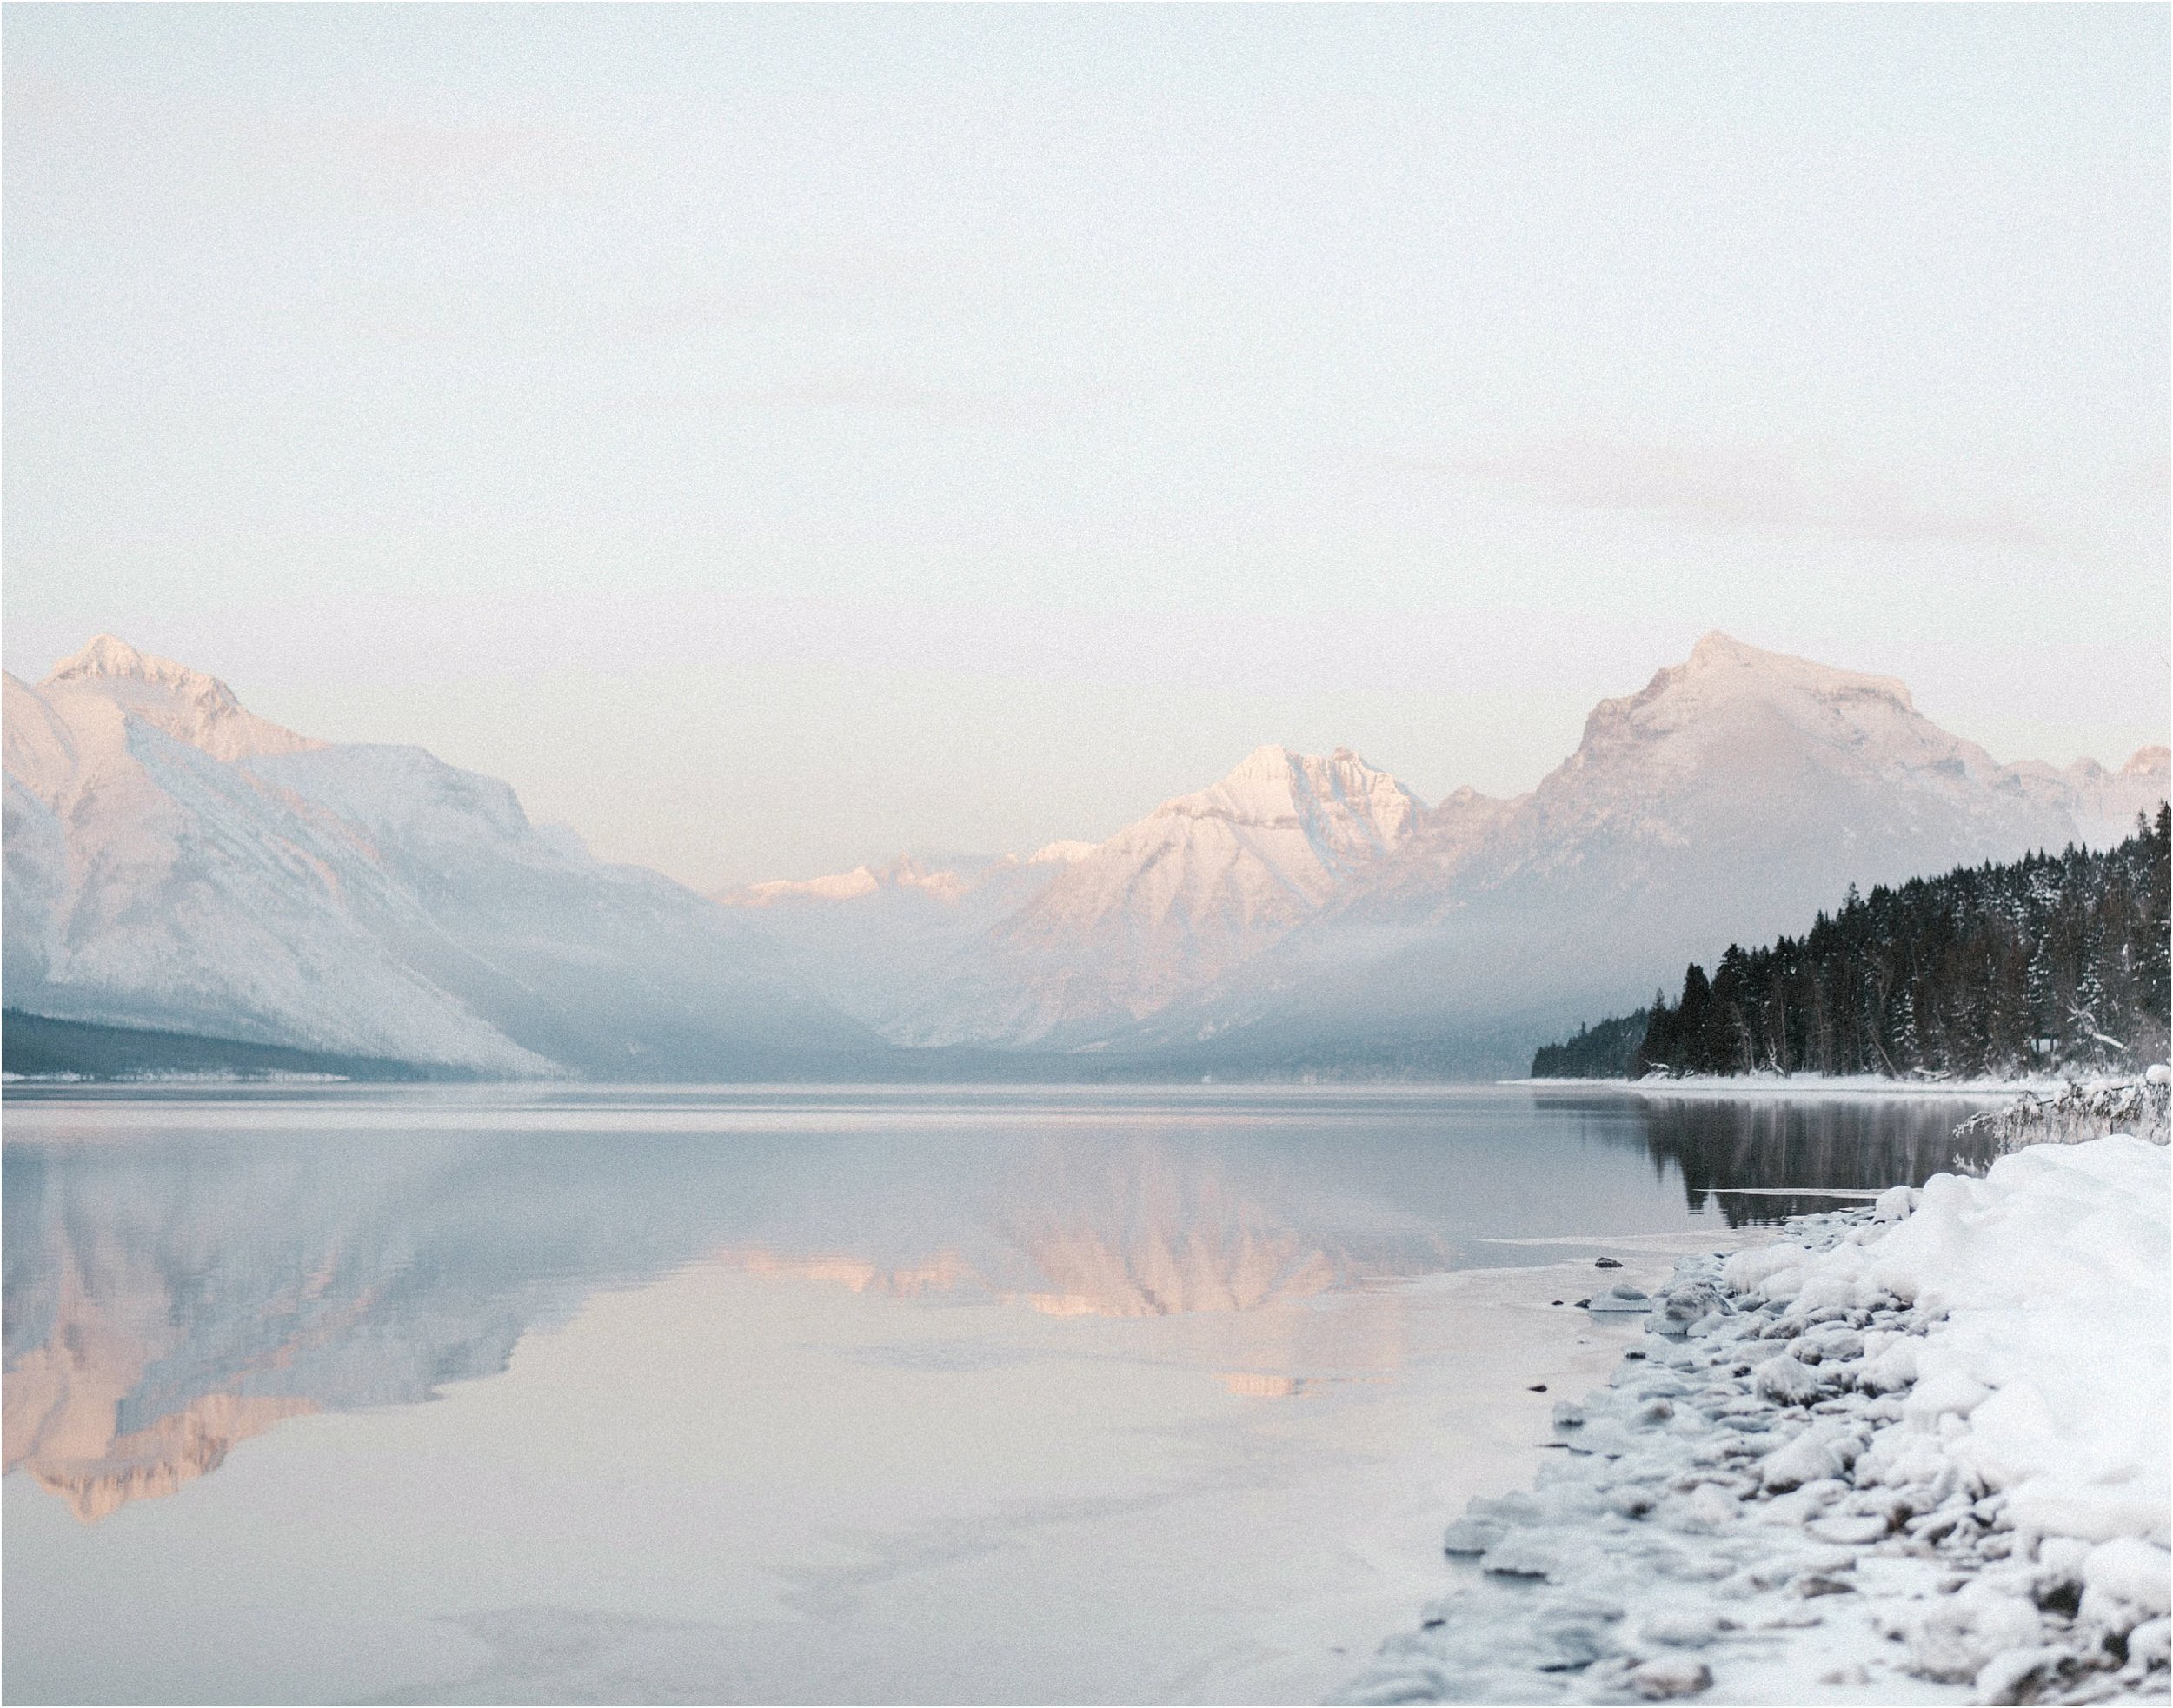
1766,1143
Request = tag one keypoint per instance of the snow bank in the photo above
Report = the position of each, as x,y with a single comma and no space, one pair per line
2048,1379
1761,1083
2076,1111
1919,1446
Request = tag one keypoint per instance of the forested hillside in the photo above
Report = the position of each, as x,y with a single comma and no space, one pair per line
1608,1051
2053,961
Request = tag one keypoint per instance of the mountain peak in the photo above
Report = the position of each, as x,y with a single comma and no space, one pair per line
1718,655
1729,698
1273,762
1274,784
1715,648
110,658
187,704
1269,760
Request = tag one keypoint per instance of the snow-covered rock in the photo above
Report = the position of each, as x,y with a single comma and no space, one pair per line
2076,1111
1831,1522
174,862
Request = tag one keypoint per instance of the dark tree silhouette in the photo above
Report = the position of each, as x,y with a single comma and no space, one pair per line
1608,1051
2052,963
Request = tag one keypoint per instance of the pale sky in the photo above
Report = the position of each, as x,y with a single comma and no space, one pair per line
772,437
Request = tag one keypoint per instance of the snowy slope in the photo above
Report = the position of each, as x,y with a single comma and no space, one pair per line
176,863
2103,803
1170,903
1729,800
1737,754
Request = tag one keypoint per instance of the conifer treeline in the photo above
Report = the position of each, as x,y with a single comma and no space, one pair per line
2055,961
1608,1051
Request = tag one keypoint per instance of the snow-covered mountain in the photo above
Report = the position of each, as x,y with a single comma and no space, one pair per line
867,939
1729,800
176,863
1171,903
1062,944
1309,908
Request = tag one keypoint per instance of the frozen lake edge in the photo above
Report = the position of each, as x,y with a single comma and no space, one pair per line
1799,1491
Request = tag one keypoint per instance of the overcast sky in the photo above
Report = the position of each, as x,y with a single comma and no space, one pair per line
773,437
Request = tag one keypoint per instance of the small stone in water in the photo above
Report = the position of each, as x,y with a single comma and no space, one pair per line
1472,1536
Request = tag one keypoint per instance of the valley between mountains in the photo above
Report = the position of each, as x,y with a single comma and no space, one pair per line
180,869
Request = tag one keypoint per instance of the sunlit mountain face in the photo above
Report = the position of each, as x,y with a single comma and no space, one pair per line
206,1270
1311,911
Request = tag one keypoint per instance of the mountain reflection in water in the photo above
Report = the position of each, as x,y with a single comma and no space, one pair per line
174,1290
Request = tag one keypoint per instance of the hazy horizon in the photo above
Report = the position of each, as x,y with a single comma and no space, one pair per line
771,438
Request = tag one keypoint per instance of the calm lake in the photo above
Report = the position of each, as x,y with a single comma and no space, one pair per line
812,1394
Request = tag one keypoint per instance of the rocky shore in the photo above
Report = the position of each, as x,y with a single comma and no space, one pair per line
1916,1452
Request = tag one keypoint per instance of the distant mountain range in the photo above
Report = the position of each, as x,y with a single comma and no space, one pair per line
1310,914
175,863
1082,938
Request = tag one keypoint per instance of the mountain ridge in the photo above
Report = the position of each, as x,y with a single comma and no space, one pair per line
1486,912
174,861
1707,806
1200,883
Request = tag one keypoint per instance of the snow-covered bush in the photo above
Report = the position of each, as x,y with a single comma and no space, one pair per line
2081,1112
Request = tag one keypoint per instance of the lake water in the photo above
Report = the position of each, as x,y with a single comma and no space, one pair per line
811,1394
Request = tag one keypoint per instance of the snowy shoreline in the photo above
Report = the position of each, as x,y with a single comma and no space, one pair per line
1803,1084
1916,1452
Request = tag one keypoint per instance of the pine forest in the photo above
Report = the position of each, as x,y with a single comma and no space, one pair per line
2052,963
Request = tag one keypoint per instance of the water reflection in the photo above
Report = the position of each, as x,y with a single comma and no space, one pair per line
1743,1156
170,1300
180,1287
1128,1231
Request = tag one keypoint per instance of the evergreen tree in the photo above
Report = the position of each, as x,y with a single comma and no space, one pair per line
2054,960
